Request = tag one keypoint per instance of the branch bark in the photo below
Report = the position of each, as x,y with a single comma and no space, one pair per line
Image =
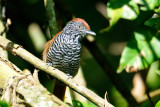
19,51
51,17
33,92
152,95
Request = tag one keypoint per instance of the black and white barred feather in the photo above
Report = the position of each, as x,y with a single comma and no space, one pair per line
64,50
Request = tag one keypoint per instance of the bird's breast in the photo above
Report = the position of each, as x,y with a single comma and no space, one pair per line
65,56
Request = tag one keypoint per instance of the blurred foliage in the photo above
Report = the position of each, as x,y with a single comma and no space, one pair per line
153,76
128,9
143,50
82,104
158,104
131,22
4,104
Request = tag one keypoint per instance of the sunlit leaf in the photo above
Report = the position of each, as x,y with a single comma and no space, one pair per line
158,104
157,72
148,4
157,10
142,49
126,9
153,75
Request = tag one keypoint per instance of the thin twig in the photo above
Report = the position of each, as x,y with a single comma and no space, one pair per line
149,98
151,94
106,103
35,75
6,27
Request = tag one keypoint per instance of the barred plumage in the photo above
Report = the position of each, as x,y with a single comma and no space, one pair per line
65,54
63,51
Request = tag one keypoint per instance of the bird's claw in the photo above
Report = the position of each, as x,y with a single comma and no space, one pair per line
69,76
49,64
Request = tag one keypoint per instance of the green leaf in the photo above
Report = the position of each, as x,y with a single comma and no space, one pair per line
153,22
157,71
82,104
158,104
77,103
148,4
142,49
157,10
126,9
4,104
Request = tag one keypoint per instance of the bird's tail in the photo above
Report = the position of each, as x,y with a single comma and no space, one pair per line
59,90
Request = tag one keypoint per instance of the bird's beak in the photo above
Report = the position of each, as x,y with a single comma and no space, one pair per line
89,32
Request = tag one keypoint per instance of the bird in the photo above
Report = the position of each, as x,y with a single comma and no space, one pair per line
63,51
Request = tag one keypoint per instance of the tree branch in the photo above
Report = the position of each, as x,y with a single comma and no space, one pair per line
19,51
33,92
51,16
145,97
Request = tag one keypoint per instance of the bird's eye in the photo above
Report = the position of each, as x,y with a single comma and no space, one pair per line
80,27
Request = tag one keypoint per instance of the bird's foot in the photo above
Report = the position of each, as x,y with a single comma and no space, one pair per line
49,64
69,76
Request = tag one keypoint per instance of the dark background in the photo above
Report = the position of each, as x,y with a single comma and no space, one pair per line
23,13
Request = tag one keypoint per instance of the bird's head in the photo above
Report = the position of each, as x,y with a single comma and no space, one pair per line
78,27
